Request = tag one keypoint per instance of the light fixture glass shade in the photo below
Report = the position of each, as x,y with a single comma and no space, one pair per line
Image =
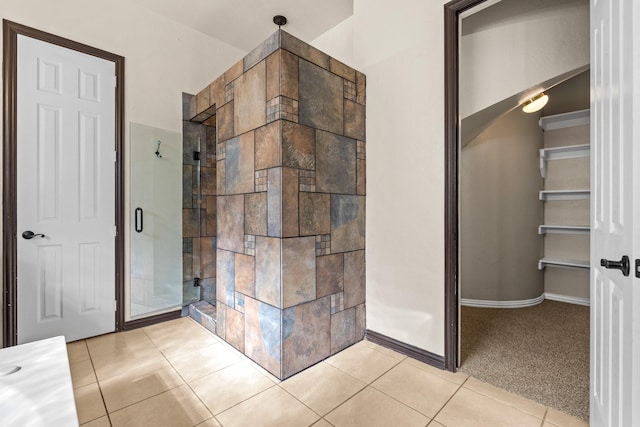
536,103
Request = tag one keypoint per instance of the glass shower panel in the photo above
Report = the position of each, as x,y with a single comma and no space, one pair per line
156,221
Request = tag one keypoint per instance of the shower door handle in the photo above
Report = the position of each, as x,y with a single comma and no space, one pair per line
139,220
622,265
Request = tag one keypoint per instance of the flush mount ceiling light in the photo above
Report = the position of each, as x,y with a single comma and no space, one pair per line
536,103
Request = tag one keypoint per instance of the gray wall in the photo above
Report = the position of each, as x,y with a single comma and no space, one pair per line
500,211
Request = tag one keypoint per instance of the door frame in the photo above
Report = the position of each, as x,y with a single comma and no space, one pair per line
11,30
452,11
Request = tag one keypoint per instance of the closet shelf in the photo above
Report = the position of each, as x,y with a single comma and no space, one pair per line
564,229
565,120
557,153
565,194
557,262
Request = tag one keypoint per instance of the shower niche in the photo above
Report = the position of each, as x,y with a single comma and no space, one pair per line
282,189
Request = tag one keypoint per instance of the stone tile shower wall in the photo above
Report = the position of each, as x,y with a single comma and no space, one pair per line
290,125
198,203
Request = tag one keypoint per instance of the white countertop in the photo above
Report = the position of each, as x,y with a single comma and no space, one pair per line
40,393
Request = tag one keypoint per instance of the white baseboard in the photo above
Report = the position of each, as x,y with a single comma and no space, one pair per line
523,303
570,300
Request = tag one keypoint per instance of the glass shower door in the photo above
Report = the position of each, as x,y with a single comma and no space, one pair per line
156,221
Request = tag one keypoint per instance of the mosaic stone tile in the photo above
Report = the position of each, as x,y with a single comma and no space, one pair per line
210,139
261,180
208,256
266,48
307,180
208,289
274,202
210,213
191,133
289,75
350,90
263,334
225,122
202,100
341,69
361,84
234,72
234,329
239,163
188,106
303,50
343,330
354,278
207,181
228,92
323,244
255,210
315,217
221,319
187,260
225,275
221,150
187,186
231,223
361,323
347,223
361,150
250,245
306,334
272,63
321,98
268,278
282,107
216,92
298,146
329,275
250,99
298,270
361,177
354,115
337,302
240,302
190,222
268,146
245,274
220,178
335,163
289,203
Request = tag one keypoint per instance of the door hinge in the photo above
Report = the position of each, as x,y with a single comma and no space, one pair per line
115,305
115,231
115,81
115,156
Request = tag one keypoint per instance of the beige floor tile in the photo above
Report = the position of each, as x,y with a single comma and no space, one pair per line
110,365
116,343
382,349
322,387
468,408
363,362
89,403
82,373
435,424
178,407
504,396
134,386
373,408
271,408
100,422
203,361
77,351
560,419
211,422
455,377
180,338
322,423
230,386
416,388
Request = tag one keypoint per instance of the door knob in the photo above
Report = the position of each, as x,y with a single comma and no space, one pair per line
622,265
30,235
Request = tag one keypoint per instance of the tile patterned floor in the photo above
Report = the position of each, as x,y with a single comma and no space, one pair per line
179,374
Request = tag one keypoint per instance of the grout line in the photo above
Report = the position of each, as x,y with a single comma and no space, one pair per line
449,400
304,404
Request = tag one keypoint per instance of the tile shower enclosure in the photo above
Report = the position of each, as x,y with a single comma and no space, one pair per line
282,203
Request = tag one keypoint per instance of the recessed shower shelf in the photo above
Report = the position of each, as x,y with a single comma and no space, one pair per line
558,262
563,229
565,194
558,153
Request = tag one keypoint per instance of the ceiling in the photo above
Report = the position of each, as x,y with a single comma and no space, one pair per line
246,23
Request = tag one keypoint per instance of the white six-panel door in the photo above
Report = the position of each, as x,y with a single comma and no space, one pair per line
615,213
65,190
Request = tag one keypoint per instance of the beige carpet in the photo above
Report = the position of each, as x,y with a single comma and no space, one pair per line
540,352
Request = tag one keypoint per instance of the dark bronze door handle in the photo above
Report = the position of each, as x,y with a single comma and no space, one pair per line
30,235
622,265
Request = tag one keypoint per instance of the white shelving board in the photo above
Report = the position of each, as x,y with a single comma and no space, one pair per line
565,120
557,262
563,229
557,153
565,194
